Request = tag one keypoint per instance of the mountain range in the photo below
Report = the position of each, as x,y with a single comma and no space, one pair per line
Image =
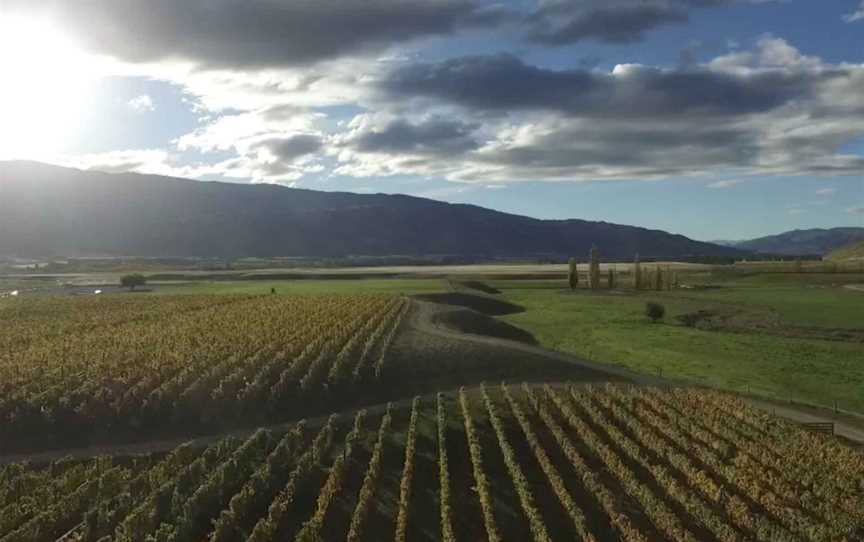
815,241
50,211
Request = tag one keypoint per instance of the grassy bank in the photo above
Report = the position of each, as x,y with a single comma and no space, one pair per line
609,327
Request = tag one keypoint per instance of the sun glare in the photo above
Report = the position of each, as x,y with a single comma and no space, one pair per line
45,80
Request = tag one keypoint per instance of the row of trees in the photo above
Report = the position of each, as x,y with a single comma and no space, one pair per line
643,279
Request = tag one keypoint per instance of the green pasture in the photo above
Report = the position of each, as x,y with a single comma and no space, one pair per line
611,327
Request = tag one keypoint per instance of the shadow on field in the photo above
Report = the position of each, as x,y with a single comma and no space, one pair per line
475,323
479,303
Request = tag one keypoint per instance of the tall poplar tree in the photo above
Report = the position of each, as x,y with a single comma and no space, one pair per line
573,274
594,271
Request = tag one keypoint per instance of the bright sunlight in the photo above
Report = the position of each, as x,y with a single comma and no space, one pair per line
46,79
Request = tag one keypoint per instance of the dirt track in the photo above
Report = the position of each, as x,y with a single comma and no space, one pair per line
844,426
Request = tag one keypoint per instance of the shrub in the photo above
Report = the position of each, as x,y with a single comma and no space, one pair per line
131,281
655,311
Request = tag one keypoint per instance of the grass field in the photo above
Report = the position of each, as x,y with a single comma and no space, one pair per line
612,328
348,286
525,463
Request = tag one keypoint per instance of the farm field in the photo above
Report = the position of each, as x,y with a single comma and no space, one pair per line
806,299
781,337
94,370
75,368
550,462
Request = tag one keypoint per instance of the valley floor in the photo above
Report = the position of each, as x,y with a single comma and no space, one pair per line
439,448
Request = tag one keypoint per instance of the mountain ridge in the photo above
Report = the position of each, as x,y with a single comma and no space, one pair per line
48,210
811,241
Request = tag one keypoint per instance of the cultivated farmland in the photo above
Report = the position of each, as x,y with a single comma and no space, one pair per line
97,366
546,462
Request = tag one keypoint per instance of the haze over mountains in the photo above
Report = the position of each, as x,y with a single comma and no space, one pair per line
817,241
48,211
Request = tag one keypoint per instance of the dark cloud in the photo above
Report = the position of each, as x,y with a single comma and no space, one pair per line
649,150
255,33
609,25
505,83
562,22
435,136
291,148
770,111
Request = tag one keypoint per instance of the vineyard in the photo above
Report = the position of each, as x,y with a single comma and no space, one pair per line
72,370
546,462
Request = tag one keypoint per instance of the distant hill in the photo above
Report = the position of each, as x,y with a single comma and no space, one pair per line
802,242
50,211
855,251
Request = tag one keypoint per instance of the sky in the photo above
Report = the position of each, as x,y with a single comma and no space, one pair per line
717,119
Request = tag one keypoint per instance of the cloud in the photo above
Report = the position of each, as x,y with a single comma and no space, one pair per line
257,168
630,90
855,210
379,145
770,110
563,22
254,33
275,144
856,15
431,136
152,161
242,131
728,183
614,24
293,147
826,191
142,103
491,119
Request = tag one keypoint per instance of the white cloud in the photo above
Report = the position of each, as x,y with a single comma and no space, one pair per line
148,161
826,191
857,15
278,144
855,210
728,183
142,103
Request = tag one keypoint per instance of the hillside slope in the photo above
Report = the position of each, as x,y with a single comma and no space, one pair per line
52,211
814,241
855,251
